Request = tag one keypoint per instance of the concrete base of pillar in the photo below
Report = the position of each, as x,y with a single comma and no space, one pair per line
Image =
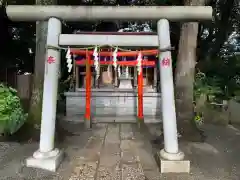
173,163
87,123
47,161
140,122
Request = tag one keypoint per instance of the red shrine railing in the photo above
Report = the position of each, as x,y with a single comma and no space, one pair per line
89,62
148,62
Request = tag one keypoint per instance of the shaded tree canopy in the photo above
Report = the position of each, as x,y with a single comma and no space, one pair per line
218,41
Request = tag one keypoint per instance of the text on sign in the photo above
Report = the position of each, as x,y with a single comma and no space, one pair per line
166,62
50,60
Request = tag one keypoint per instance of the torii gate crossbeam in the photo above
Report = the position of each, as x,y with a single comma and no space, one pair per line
93,13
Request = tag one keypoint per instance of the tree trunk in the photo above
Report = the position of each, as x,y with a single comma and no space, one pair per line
34,117
184,77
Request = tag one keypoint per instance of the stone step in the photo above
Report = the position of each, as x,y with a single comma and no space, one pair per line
110,119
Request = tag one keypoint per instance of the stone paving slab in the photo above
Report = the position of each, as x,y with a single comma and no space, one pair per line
117,158
128,153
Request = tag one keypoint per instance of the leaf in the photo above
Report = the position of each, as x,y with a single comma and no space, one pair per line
12,116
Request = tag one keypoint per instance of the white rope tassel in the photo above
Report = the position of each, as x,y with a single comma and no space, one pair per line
139,63
96,62
69,60
115,58
119,71
127,72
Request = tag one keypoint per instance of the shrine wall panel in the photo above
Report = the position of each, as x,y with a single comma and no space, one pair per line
113,104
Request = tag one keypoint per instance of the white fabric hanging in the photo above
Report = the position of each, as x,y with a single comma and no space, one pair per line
119,71
96,62
69,60
139,63
127,72
115,58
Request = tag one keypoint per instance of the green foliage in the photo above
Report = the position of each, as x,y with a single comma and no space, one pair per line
224,73
199,120
12,116
207,86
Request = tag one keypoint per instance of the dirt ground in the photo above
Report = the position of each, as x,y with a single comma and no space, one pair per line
124,152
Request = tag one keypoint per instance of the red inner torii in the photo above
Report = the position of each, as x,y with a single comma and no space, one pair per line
88,61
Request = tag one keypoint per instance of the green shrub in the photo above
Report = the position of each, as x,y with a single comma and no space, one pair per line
207,86
205,89
12,116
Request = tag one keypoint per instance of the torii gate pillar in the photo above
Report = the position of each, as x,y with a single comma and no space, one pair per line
171,158
47,157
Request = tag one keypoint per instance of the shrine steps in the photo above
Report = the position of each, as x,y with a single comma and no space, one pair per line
111,119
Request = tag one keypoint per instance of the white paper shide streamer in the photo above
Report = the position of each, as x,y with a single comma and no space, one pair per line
139,63
116,67
115,58
127,72
69,60
96,62
119,71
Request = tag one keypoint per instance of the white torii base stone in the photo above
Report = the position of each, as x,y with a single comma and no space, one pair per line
172,163
47,161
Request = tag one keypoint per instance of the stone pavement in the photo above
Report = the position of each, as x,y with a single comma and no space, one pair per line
122,151
115,152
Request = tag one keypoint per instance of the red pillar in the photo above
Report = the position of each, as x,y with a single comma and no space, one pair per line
140,95
88,91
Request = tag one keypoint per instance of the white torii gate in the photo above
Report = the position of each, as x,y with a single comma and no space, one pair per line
48,157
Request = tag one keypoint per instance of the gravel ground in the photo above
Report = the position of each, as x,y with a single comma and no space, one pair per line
216,159
122,152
